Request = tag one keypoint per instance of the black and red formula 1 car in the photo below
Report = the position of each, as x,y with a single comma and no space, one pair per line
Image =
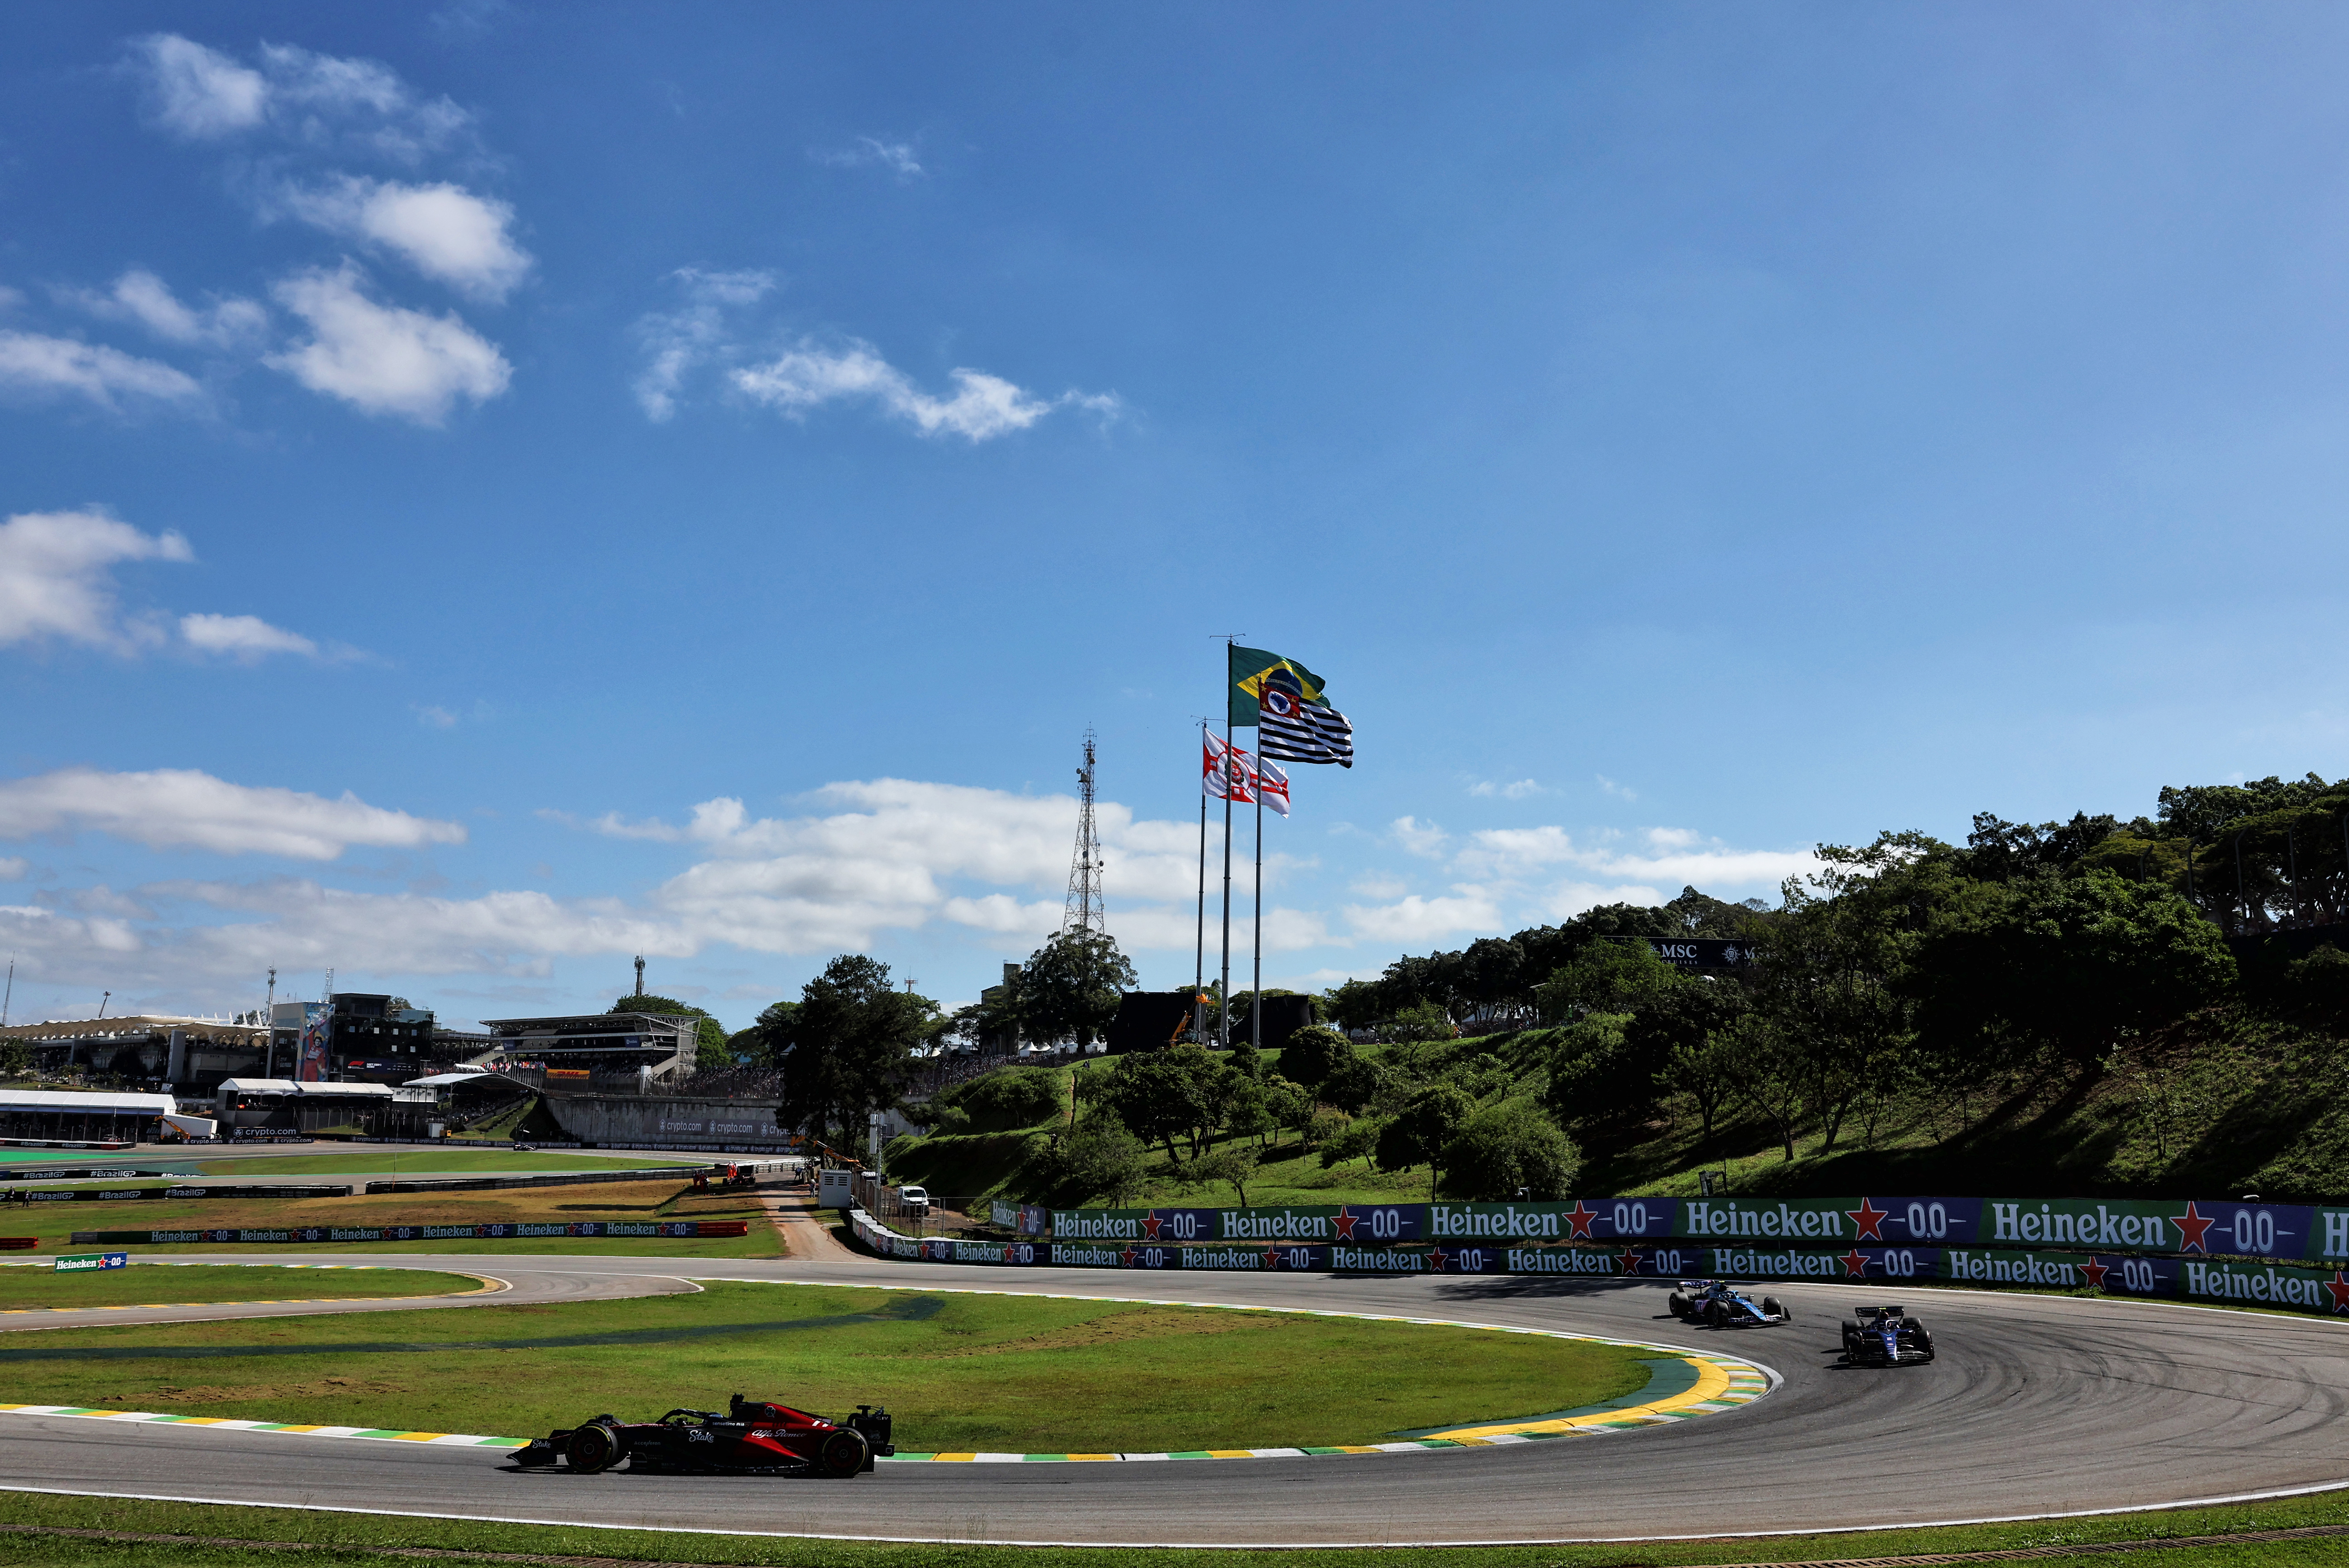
752,1438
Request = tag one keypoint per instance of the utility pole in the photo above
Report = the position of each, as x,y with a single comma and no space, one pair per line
102,1000
640,974
10,994
269,1021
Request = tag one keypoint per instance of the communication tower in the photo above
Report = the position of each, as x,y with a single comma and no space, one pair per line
1085,912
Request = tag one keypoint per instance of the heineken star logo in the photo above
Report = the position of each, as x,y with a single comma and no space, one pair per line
1855,1263
2190,1226
1435,1259
2093,1273
1580,1219
1130,1257
1150,1223
1630,1261
1345,1223
2339,1286
1870,1221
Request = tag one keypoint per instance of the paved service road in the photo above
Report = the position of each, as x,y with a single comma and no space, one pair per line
2036,1406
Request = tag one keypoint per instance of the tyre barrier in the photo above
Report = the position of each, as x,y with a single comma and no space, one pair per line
2232,1282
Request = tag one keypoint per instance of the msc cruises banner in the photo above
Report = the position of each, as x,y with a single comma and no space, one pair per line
2207,1227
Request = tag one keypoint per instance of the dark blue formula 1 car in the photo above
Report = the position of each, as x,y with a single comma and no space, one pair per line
1885,1336
1718,1304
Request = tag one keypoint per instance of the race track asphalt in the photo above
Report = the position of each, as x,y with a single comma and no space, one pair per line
2037,1405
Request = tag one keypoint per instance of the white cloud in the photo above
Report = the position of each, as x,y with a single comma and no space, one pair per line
322,101
177,808
898,157
436,718
242,637
1609,786
1416,922
1375,885
35,365
444,231
139,296
14,868
982,406
199,92
1673,855
54,578
1004,915
1519,790
383,359
675,341
1417,837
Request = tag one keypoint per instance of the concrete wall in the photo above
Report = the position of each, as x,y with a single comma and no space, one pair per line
664,1118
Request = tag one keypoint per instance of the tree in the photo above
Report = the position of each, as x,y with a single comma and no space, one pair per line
1424,1021
1604,977
1421,1128
1679,1036
1314,1055
1231,1165
850,1044
16,1058
1165,1095
1102,1159
1356,1140
1070,987
1510,1150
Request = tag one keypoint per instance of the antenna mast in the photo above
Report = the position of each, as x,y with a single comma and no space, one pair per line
1084,911
640,974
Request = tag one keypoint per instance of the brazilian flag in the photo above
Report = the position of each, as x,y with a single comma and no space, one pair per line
1253,669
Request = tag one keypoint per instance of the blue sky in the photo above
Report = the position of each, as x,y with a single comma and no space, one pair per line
494,490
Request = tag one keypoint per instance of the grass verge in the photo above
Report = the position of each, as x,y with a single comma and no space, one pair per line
444,1162
369,1539
961,1372
30,1286
54,1223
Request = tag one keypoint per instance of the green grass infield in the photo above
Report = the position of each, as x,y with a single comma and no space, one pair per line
369,1539
667,1198
32,1287
960,1372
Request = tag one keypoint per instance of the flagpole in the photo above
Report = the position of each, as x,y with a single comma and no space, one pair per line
1256,978
1224,1010
1199,970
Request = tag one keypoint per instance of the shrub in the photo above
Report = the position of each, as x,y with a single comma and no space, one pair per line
1000,1101
1506,1147
1314,1054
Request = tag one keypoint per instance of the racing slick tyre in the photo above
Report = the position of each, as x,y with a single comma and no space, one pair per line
1770,1306
1716,1315
1924,1339
1678,1304
844,1454
593,1447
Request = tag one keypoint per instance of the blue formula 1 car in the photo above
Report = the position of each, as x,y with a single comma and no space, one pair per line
1717,1305
1885,1336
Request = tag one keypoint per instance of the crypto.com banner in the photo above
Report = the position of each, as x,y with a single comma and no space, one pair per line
2207,1227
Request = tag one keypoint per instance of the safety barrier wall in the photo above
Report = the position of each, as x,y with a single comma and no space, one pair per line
2174,1278
147,1194
669,1229
2283,1231
1026,1218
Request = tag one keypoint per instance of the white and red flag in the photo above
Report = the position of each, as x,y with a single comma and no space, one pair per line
1232,773
1224,772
